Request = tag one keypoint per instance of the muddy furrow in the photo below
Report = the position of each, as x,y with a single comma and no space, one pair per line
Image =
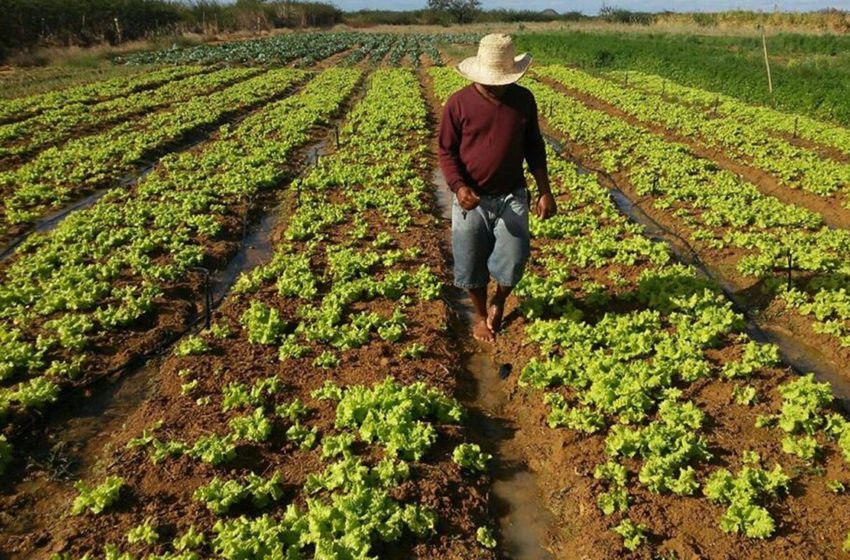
527,527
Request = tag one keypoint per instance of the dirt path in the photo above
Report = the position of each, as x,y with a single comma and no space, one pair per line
527,528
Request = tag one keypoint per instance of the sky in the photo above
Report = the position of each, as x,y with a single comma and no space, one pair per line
591,7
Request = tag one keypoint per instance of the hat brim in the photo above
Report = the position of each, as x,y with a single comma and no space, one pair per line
471,70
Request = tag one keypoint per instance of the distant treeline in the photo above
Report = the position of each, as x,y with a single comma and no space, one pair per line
86,22
364,18
27,23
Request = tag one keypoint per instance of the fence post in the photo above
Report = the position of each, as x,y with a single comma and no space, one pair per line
767,62
118,31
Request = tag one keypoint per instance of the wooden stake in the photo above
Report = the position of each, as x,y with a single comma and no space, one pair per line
767,62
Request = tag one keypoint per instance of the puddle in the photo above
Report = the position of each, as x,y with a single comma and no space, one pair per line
257,245
256,249
804,359
524,523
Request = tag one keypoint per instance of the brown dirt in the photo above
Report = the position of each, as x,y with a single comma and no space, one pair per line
334,60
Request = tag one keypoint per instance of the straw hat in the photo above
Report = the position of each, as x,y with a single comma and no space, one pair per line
496,63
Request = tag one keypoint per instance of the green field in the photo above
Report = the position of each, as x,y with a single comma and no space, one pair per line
227,328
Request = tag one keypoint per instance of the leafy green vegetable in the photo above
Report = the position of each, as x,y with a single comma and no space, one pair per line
98,498
143,533
744,514
191,345
633,533
395,415
470,457
484,535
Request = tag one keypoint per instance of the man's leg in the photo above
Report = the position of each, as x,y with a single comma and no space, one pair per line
472,244
510,254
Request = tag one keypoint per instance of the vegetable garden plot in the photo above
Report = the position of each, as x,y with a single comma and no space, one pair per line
790,165
25,107
671,433
278,432
25,137
745,234
309,48
767,119
113,281
61,174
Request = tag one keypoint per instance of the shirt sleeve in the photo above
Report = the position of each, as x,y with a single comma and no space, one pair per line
535,147
449,147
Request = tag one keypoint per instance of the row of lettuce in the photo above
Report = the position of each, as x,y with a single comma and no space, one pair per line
21,108
791,165
62,173
759,117
346,276
309,48
634,378
20,139
718,210
104,268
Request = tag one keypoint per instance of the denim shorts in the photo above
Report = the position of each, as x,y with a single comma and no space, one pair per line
491,240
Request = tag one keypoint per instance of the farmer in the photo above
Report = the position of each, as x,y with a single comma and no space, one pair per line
487,130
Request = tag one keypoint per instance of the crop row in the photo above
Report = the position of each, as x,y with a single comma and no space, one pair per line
793,166
53,127
312,420
98,282
25,107
720,213
657,396
62,173
760,117
309,48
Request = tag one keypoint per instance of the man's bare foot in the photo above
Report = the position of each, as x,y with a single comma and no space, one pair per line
481,332
494,317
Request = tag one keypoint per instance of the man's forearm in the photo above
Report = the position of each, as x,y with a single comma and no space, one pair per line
541,177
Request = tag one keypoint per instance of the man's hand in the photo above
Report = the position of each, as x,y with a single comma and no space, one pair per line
546,207
467,198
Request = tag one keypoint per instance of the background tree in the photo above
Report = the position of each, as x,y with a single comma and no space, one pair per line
462,11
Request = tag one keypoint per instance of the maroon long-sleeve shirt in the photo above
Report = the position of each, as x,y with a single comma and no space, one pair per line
482,143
